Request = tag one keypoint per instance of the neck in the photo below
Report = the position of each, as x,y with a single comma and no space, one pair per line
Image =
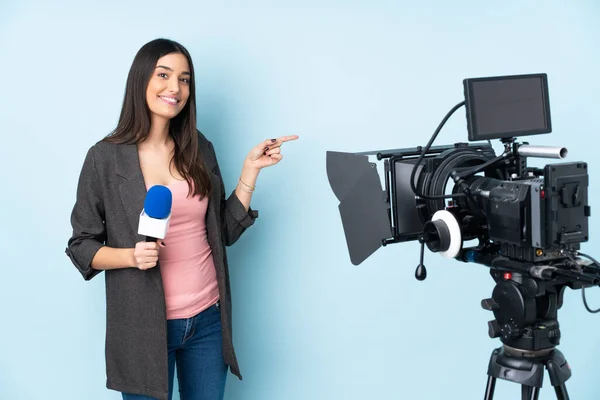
159,132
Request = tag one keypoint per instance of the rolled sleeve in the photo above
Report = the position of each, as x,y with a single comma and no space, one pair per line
238,214
236,219
87,220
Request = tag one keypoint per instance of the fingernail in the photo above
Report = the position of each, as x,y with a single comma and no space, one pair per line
265,153
266,148
273,140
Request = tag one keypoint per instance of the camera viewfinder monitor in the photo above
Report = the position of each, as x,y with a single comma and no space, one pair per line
507,106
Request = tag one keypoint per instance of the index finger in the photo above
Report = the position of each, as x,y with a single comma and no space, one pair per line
287,138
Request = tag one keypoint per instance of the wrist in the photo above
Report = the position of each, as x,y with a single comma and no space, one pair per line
249,167
247,179
249,173
129,257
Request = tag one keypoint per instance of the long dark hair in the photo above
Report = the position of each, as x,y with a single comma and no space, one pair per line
134,122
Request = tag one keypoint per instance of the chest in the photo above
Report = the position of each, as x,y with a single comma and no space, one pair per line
158,167
187,211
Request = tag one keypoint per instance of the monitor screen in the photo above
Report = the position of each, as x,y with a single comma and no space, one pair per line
507,106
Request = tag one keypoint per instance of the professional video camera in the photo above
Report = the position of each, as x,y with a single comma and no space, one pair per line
527,223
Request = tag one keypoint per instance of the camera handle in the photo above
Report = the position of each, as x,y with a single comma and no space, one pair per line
421,272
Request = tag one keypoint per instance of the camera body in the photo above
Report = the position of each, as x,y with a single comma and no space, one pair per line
533,219
522,213
529,214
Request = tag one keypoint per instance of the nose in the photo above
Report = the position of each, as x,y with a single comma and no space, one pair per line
174,85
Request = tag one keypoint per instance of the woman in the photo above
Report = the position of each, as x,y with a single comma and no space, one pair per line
168,303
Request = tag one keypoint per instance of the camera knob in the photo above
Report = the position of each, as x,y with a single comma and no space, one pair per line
494,329
554,336
489,304
510,330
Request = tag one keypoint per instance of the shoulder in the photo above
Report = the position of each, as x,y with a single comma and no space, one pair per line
203,141
105,151
102,147
104,156
207,150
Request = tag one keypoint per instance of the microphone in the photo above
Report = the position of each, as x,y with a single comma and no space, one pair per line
156,215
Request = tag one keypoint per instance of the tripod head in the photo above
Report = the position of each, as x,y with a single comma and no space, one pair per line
525,311
527,295
525,303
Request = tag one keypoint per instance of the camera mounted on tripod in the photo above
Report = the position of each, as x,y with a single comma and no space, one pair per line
527,223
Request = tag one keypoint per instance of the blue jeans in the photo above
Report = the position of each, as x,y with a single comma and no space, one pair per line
194,344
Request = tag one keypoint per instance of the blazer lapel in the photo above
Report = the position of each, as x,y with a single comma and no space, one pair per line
132,187
213,212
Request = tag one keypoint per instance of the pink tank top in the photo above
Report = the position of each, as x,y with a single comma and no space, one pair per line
186,262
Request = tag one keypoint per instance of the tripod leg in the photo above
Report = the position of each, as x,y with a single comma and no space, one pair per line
559,372
489,390
561,392
529,392
535,393
525,392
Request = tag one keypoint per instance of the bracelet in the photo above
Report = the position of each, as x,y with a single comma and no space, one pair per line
245,184
248,186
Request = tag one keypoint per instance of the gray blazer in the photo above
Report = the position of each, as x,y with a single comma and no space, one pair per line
110,197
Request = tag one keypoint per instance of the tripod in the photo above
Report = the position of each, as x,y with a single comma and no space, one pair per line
526,323
527,368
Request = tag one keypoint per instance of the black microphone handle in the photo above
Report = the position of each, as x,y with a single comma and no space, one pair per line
150,239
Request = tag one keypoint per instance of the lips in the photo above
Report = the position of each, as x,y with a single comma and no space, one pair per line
169,100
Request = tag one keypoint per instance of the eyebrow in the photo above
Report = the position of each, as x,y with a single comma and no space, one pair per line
171,69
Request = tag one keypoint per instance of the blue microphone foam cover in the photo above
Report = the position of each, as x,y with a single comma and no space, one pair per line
158,202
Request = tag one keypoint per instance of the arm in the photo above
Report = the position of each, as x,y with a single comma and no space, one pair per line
86,248
236,215
113,258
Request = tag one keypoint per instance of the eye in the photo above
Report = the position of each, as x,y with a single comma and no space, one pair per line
162,75
185,80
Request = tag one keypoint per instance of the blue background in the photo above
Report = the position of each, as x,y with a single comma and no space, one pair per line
344,75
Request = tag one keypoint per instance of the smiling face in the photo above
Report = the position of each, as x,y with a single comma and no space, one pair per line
169,87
